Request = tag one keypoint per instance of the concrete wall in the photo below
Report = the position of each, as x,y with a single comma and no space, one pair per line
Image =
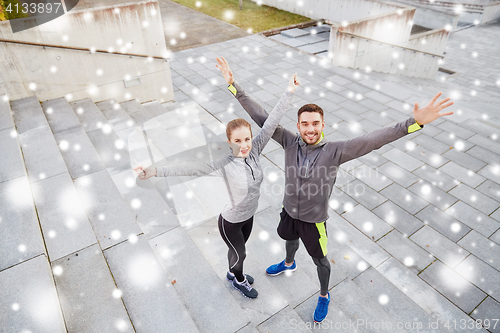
128,28
381,57
491,13
333,10
433,41
435,19
394,28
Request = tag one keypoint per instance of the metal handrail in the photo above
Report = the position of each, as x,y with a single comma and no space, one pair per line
393,45
79,49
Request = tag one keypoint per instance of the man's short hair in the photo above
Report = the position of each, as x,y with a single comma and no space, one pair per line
310,108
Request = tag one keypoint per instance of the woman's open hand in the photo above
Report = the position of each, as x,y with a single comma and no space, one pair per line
223,66
145,173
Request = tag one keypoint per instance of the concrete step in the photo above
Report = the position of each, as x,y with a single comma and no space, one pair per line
60,115
63,220
148,293
19,226
91,118
111,217
150,208
29,298
28,114
121,122
285,321
41,154
206,297
136,111
78,152
90,302
12,165
394,301
363,309
269,302
432,302
5,114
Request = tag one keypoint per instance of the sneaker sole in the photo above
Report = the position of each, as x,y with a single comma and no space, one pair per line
318,321
232,280
286,270
244,294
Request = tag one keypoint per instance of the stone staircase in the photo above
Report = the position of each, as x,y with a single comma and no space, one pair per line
87,250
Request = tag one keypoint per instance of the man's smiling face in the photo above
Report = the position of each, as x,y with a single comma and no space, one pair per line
310,126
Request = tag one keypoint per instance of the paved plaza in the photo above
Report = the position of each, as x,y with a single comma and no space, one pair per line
414,227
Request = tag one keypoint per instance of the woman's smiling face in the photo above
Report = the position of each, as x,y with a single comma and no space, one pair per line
241,139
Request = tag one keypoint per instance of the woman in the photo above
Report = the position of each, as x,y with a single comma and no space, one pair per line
243,175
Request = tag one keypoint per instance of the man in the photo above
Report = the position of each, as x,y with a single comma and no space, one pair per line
311,165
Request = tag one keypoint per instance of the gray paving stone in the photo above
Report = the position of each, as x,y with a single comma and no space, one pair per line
343,178
482,247
22,239
315,48
452,141
430,143
28,114
293,33
376,118
374,158
473,218
373,105
60,115
475,198
453,286
404,198
367,222
30,300
354,107
486,143
6,120
398,218
78,152
480,274
372,177
487,312
399,306
458,130
402,159
111,219
194,294
483,155
462,174
439,246
136,111
88,300
111,149
356,304
41,154
464,160
12,165
346,115
491,172
64,223
284,321
433,194
363,194
147,292
490,188
398,174
365,247
430,300
427,157
406,251
442,222
340,201
310,39
116,116
436,177
90,117
381,98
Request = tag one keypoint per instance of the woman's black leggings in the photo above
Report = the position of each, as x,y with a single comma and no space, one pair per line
235,235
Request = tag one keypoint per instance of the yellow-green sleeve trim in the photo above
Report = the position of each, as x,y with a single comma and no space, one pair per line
414,127
232,89
323,239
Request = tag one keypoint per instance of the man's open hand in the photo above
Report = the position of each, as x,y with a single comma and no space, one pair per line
226,71
430,112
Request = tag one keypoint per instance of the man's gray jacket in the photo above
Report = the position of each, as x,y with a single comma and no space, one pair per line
311,170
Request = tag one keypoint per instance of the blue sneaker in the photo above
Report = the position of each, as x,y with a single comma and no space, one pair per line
321,309
280,268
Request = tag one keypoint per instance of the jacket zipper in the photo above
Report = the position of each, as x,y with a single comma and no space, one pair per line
250,168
